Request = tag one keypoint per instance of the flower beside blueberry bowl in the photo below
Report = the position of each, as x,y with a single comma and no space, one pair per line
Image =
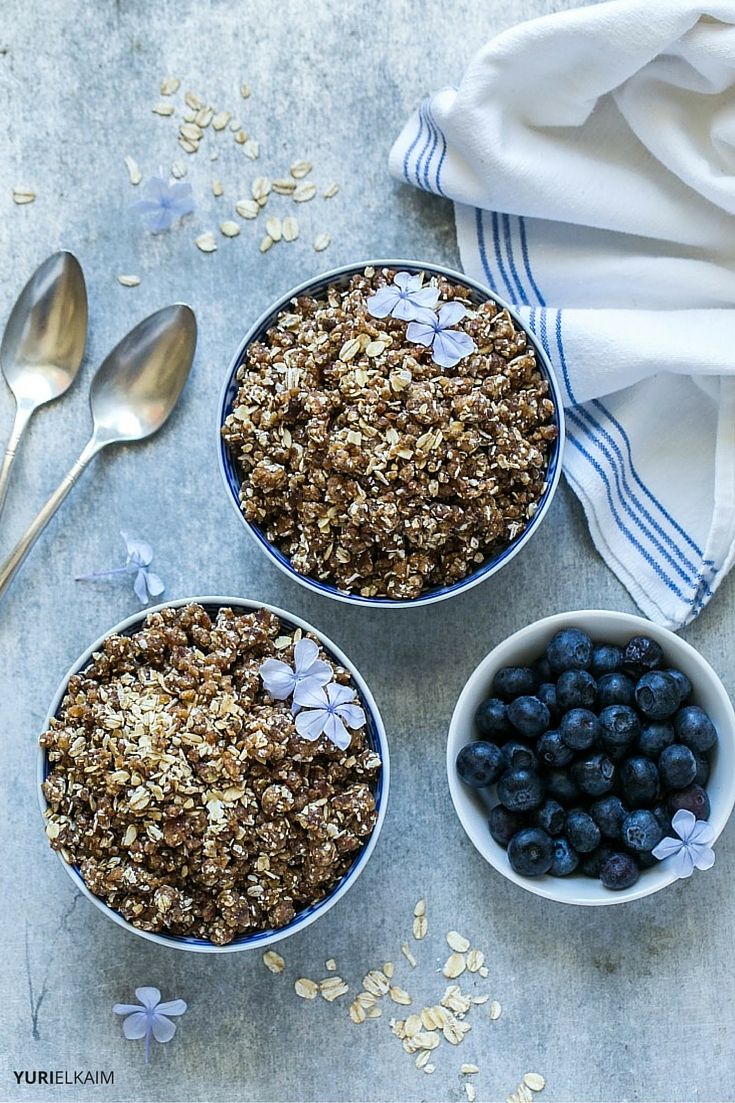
591,758
390,434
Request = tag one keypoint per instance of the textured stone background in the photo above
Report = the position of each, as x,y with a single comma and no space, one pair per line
631,1002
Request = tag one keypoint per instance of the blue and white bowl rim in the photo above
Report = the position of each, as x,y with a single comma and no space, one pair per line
231,479
376,736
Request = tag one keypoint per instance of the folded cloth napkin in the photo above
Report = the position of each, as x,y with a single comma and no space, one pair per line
591,158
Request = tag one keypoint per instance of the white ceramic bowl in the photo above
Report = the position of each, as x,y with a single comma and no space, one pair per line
524,647
231,477
376,737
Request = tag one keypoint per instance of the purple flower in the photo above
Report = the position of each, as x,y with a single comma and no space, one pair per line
327,712
165,203
405,298
692,849
148,1018
280,679
448,346
147,583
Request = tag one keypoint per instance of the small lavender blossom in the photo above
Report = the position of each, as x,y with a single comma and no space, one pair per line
448,346
692,849
327,712
281,680
165,203
147,584
405,299
149,1018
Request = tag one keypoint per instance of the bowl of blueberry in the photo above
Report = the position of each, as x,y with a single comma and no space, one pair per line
591,758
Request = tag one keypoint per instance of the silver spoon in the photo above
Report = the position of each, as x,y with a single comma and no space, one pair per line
43,344
132,394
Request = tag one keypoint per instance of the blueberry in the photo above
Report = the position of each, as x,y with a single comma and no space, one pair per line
546,693
520,790
594,775
561,786
550,817
592,863
582,831
619,871
639,782
491,719
641,830
677,766
685,686
703,769
517,756
606,659
662,814
579,729
529,716
570,649
694,799
542,670
609,813
504,824
531,852
694,729
620,725
479,764
657,695
642,654
576,689
514,681
552,749
615,689
653,738
565,860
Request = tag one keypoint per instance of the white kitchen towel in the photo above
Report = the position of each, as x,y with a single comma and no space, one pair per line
591,158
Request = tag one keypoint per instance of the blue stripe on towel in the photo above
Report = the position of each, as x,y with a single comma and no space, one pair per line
411,148
427,143
440,165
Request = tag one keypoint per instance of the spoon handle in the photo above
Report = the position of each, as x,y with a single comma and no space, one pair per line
15,559
22,417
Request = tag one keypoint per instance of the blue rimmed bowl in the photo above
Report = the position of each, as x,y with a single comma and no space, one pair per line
376,737
316,288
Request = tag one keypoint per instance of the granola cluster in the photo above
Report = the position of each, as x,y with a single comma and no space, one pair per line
183,792
373,469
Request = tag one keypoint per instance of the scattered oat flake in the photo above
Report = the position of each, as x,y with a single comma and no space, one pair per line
331,191
389,969
423,1058
283,186
217,188
274,228
260,188
357,1012
406,951
273,961
192,100
245,90
458,942
524,1094
251,149
206,242
204,116
306,988
534,1081
420,927
331,965
454,966
266,243
247,208
220,120
429,1069
170,85
23,195
322,242
331,988
241,136
399,995
480,999
129,281
178,170
373,1013
163,109
471,1092
483,971
376,982
420,908
468,1069
134,173
495,1010
229,228
304,192
475,960
299,169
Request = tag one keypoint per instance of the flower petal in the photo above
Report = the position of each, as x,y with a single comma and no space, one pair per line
310,723
310,695
278,678
145,206
666,848
450,346
702,834
305,653
353,715
156,188
155,583
173,1007
339,694
408,311
136,1026
421,333
139,551
336,732
682,863
426,297
682,822
382,302
162,220
451,313
126,1008
149,997
703,857
163,1028
406,281
140,588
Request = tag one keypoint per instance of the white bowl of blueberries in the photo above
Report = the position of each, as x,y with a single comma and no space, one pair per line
575,744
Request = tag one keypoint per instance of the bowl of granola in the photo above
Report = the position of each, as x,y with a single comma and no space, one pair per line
213,774
390,433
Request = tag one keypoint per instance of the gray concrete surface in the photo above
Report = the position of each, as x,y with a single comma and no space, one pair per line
615,1004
